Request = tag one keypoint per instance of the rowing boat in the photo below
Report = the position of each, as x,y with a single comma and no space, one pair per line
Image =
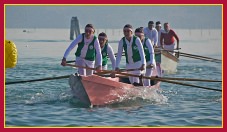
95,90
168,62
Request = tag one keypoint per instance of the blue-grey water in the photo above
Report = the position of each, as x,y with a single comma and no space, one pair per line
50,103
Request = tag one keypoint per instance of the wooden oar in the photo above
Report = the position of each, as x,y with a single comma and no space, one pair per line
160,49
154,78
200,56
173,82
194,57
71,61
104,71
36,80
185,84
190,79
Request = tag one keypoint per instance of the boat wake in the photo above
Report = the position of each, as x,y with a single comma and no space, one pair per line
139,96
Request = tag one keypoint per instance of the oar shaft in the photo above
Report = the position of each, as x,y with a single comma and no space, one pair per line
194,57
36,80
201,58
169,78
182,53
185,84
70,61
168,81
190,79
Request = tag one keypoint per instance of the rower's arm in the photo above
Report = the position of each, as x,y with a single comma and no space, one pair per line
155,37
141,51
111,56
119,53
72,45
98,53
151,51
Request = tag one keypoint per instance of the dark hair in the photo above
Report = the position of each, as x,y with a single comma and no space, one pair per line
128,26
103,34
158,22
90,26
150,22
166,23
139,30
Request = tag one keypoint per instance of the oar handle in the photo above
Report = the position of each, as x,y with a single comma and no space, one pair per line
103,71
115,54
89,68
85,67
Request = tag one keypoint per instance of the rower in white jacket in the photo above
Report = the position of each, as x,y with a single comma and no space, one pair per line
88,51
149,55
134,53
151,33
107,51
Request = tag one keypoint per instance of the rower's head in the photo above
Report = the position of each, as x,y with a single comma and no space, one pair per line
166,27
150,25
139,33
102,39
89,30
158,25
128,30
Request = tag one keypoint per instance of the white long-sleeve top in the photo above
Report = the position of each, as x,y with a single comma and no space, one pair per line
85,48
152,35
110,53
151,51
129,52
159,36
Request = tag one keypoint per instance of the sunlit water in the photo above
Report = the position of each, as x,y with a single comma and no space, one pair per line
51,103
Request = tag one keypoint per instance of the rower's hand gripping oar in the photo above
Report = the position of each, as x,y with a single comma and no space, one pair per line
99,72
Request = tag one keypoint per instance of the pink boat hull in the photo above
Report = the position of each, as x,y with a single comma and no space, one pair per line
95,90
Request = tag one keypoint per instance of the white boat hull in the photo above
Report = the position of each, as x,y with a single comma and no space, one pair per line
168,62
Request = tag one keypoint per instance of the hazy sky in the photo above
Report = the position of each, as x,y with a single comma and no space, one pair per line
113,16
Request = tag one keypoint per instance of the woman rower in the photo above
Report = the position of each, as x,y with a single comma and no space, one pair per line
87,52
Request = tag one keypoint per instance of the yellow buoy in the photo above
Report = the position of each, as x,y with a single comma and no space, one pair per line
10,54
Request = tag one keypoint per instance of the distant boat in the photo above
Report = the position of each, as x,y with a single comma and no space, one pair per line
24,30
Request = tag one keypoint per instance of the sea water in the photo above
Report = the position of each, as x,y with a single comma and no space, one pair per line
51,103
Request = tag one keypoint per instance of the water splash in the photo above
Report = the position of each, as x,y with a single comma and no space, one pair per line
42,97
139,96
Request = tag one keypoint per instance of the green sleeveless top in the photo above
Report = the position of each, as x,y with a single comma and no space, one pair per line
104,55
146,50
136,56
90,55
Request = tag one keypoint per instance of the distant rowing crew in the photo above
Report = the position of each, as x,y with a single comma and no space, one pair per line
139,50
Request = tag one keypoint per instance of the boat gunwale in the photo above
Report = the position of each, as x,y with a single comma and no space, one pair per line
170,56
